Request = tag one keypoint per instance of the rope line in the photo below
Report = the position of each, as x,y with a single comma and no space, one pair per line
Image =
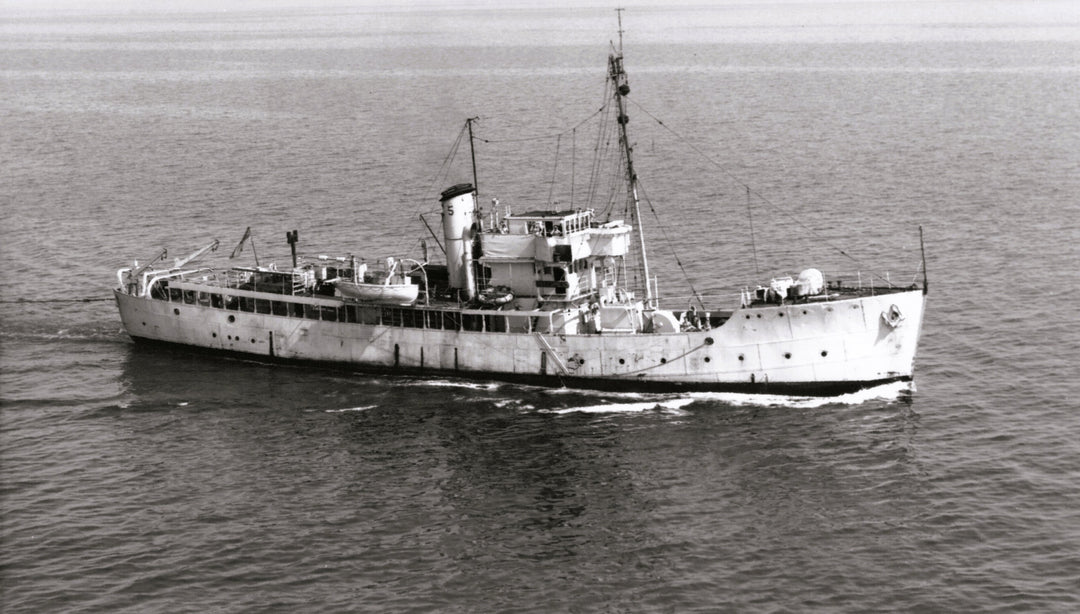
441,175
760,196
57,300
546,136
683,355
671,245
555,169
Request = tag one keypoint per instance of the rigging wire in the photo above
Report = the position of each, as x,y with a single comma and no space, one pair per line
546,136
602,148
631,211
753,243
762,197
444,170
58,300
555,169
607,158
440,176
671,244
573,163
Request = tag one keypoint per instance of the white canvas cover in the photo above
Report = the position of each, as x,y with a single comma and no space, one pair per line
610,241
510,247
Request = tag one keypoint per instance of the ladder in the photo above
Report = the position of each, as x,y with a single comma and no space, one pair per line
547,349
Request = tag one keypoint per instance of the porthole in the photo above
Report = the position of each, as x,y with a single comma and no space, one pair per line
232,319
824,353
707,359
253,341
663,361
787,354
176,311
622,361
144,323
741,357
781,314
214,335
804,312
747,316
759,315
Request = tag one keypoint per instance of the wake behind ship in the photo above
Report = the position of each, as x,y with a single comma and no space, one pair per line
542,296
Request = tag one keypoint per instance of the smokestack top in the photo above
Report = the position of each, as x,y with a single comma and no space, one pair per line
457,190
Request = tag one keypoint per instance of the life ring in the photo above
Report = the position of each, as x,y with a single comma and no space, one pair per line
893,316
499,295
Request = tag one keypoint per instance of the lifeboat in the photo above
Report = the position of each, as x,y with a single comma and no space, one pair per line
386,293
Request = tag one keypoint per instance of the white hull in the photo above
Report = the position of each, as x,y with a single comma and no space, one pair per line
820,347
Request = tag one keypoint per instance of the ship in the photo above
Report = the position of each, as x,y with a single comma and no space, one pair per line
544,296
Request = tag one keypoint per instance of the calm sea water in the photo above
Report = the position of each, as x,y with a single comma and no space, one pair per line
136,480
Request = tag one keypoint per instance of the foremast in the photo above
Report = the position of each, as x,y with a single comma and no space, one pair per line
621,87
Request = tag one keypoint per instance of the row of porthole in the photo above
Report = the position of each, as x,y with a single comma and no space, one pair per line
622,361
214,335
742,357
663,361
824,353
175,311
781,313
230,337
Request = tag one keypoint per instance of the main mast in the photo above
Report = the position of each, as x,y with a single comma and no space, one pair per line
472,152
622,89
